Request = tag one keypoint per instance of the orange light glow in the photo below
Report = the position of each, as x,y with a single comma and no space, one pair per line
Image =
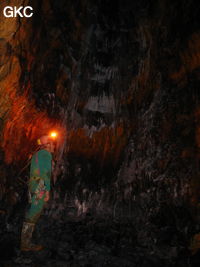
53,134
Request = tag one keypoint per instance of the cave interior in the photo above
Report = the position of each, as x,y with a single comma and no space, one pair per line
118,81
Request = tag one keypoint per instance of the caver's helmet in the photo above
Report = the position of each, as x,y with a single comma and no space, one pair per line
48,142
44,140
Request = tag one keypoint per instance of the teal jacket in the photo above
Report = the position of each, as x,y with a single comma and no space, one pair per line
41,167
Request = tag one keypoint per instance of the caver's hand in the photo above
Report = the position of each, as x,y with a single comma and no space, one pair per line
46,196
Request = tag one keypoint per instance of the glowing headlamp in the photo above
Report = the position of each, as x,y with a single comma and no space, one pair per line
53,135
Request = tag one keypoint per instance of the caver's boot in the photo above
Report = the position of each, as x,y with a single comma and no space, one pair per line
26,235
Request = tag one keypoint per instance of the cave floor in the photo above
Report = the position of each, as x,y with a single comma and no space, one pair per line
87,241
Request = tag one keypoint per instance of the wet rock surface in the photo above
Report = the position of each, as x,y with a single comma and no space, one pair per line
89,240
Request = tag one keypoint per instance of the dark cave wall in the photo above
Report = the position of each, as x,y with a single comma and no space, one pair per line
124,87
139,69
135,71
122,78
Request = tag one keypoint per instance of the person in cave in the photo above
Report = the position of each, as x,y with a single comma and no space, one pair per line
39,188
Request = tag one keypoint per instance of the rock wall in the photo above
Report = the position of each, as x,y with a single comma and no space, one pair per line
121,78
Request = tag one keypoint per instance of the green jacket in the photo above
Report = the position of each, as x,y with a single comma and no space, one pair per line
41,168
